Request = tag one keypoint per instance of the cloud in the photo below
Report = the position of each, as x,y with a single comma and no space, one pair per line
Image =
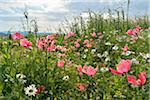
44,5
44,11
52,12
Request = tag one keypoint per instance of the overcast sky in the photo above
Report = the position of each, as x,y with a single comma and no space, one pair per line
53,12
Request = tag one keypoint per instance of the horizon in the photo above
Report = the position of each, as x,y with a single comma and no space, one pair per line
50,14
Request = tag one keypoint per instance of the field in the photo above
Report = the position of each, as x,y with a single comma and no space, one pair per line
101,59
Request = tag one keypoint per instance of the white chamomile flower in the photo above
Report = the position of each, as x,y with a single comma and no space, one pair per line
6,80
107,59
131,42
115,47
105,54
21,78
132,52
27,56
30,90
140,54
127,53
12,80
107,43
85,50
93,51
84,56
146,56
94,63
65,78
135,61
87,63
104,32
117,30
99,55
103,69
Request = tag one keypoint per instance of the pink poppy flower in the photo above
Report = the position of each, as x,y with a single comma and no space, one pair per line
42,43
77,45
81,86
86,36
126,48
89,45
136,31
93,34
91,40
70,34
39,44
45,40
100,33
61,55
72,47
25,43
61,63
84,70
123,67
86,42
89,70
53,42
55,35
80,70
78,53
40,89
52,47
17,36
131,32
78,40
142,79
135,39
138,28
51,37
61,48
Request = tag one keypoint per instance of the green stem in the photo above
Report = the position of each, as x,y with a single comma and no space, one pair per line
128,5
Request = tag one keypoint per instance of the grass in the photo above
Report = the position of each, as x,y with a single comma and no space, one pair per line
40,66
97,23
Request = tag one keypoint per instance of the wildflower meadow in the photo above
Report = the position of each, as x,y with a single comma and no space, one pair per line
102,59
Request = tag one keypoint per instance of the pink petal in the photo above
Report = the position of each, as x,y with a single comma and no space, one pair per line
124,66
91,71
79,68
142,77
115,71
84,70
131,79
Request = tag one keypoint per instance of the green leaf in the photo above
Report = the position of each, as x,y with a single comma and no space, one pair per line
1,88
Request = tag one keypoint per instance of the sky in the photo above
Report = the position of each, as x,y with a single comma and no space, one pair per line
51,13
